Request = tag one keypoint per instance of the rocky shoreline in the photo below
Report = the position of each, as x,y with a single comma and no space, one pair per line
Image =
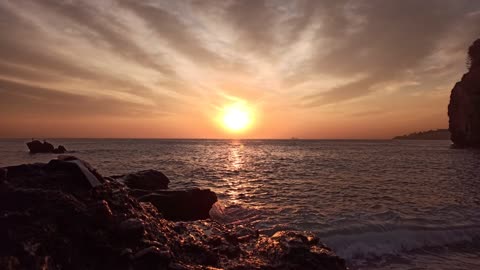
65,215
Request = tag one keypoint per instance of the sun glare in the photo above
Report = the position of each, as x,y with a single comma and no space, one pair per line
236,117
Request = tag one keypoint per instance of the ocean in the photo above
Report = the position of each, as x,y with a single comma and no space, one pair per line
379,204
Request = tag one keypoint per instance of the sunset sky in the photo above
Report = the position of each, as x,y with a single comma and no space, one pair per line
168,69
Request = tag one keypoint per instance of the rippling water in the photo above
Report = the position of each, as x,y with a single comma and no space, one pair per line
379,204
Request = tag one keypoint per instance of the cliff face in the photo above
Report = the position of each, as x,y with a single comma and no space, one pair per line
464,107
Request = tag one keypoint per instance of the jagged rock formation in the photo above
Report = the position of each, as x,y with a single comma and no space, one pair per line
36,146
464,107
65,215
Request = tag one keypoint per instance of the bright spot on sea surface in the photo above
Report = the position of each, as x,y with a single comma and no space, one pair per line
237,117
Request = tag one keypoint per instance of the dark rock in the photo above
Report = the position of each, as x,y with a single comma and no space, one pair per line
36,146
50,218
3,174
39,147
297,250
60,150
128,252
140,192
145,180
56,175
78,168
464,107
132,229
152,258
191,204
102,212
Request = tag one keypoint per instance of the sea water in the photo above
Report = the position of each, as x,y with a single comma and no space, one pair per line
378,204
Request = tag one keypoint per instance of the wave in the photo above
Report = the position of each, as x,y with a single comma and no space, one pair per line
374,244
234,214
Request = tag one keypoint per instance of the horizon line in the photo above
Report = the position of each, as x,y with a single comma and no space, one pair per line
184,138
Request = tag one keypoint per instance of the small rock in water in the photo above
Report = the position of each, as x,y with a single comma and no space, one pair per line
36,146
60,150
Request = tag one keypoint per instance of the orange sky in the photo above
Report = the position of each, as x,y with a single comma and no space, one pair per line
165,69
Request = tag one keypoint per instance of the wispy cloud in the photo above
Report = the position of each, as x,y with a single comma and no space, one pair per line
170,55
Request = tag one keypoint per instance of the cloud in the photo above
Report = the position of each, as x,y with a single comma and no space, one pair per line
174,31
394,37
303,54
32,101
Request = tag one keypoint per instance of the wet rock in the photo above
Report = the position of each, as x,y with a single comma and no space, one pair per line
102,212
145,180
464,107
298,250
51,219
152,258
140,192
191,204
132,229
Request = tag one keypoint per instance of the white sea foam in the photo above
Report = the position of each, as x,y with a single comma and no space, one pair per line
374,244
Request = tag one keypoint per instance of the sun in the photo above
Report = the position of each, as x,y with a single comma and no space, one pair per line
236,117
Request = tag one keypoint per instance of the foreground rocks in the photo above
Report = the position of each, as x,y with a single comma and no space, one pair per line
191,204
36,147
464,107
146,180
53,217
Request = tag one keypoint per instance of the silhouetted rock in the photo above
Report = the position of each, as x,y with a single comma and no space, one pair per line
464,107
51,217
36,146
146,180
60,150
191,204
439,134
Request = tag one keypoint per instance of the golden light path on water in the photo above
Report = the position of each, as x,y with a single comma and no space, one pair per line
236,162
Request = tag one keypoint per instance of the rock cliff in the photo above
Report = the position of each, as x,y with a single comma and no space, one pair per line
464,107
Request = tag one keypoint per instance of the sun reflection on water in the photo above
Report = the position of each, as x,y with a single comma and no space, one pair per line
236,161
236,157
